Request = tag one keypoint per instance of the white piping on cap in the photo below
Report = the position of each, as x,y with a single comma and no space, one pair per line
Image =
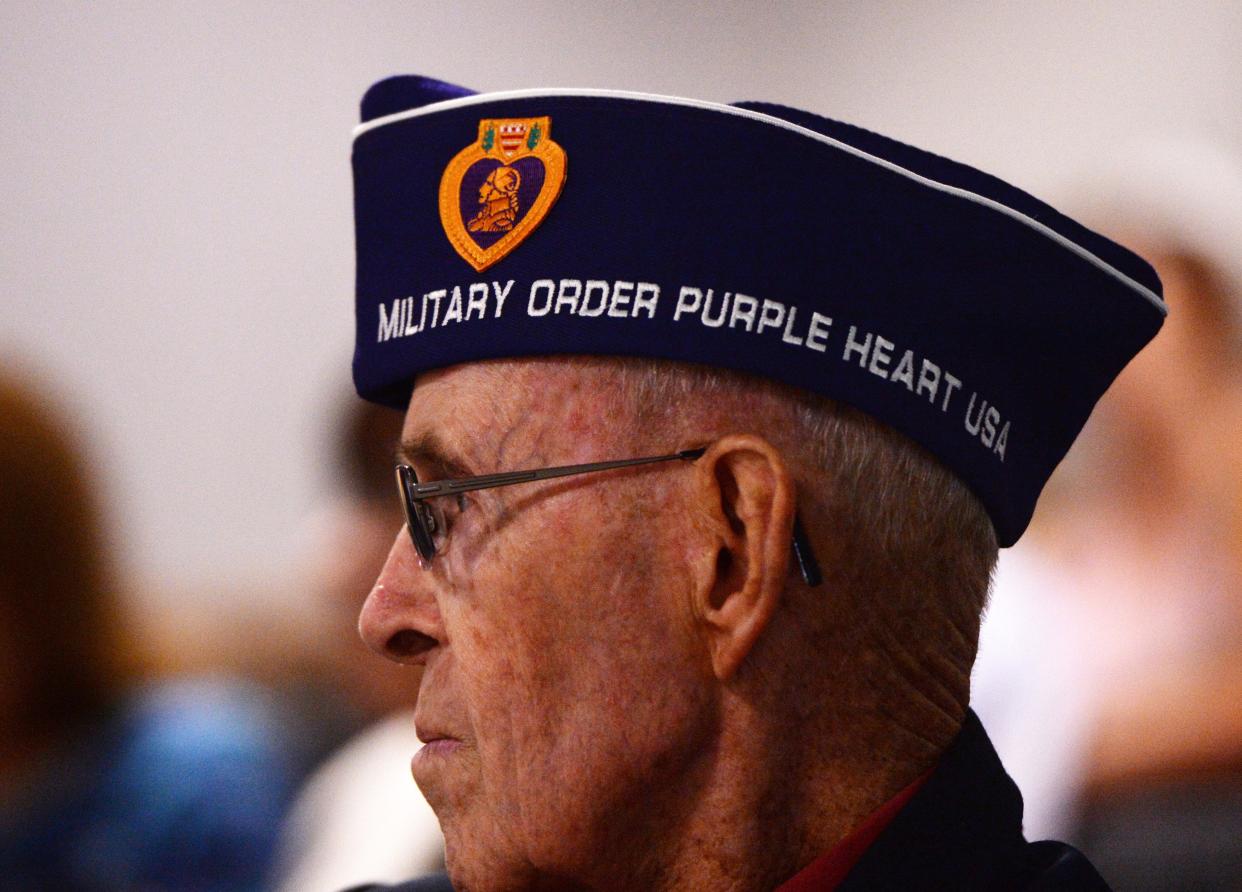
966,194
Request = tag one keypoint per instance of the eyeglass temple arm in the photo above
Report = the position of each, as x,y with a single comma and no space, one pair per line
489,481
807,565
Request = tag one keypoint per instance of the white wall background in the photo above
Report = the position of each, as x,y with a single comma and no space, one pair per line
176,247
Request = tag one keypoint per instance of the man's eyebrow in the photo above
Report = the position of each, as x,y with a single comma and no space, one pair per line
433,453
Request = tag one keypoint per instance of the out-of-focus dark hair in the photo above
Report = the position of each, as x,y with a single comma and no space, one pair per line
57,592
366,449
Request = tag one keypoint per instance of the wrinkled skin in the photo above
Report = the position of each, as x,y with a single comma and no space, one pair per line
562,667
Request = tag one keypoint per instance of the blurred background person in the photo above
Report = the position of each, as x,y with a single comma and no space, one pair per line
109,779
1126,736
360,817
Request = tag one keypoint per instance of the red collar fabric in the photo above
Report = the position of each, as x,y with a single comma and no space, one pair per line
826,872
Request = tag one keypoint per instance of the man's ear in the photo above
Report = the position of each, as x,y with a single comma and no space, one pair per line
747,501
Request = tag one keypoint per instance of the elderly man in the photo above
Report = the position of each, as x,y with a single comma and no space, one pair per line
705,478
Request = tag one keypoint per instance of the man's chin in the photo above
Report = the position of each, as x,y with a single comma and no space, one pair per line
476,865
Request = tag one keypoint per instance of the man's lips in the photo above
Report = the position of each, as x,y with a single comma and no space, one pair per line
436,745
440,746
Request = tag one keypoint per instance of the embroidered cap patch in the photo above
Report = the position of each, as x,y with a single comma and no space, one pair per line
497,190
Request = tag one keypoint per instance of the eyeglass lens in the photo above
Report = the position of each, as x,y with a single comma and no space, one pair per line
418,517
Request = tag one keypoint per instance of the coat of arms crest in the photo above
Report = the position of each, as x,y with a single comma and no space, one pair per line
497,190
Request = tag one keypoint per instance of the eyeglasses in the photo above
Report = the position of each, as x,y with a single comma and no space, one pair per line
428,519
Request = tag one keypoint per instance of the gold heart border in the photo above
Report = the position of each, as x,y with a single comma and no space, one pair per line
554,166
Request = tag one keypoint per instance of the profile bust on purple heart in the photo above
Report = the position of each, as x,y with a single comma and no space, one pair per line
499,188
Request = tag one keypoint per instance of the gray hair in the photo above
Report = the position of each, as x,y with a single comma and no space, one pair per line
913,544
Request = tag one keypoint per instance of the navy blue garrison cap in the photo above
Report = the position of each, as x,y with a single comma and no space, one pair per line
959,310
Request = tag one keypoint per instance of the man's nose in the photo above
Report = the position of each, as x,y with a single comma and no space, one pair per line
400,618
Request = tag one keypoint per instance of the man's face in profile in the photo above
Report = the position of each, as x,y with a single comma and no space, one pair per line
561,690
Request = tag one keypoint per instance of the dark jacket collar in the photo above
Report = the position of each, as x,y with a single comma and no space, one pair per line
963,831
